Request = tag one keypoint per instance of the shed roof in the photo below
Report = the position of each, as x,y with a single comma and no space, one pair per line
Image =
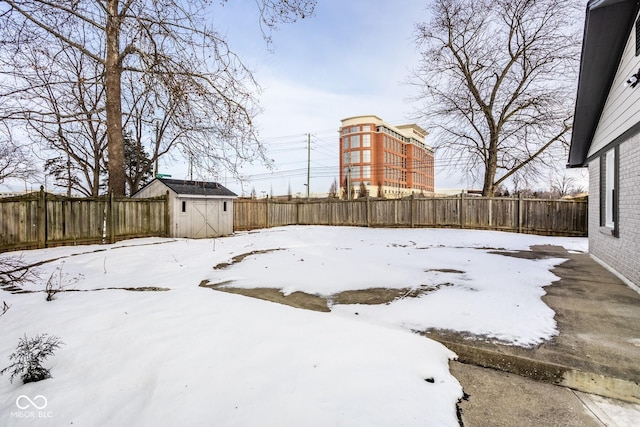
197,188
608,24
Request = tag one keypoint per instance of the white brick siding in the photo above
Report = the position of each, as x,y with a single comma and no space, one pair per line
621,253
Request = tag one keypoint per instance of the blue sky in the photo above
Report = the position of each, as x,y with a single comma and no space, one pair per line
351,58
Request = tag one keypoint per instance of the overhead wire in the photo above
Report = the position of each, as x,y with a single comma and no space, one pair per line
325,145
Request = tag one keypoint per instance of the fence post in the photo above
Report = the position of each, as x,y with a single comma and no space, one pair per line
462,216
395,210
167,220
368,213
110,221
435,212
42,219
519,212
490,212
266,212
411,213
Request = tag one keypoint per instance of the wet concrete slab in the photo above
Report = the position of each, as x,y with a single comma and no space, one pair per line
597,349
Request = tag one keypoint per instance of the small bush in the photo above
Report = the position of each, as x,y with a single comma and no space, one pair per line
58,281
29,356
15,272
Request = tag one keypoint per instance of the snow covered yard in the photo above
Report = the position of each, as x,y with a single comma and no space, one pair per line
192,356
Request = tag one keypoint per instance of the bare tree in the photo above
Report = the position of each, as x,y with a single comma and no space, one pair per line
15,161
362,191
495,81
60,100
562,185
169,43
380,190
345,188
62,103
15,272
333,190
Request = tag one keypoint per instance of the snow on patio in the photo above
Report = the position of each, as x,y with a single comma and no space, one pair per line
190,355
466,285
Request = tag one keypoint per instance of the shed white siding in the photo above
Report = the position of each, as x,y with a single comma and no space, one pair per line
194,215
199,217
620,111
154,189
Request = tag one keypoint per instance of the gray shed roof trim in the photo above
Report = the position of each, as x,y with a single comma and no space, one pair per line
197,188
608,24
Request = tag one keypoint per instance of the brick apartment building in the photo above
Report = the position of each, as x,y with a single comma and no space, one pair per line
390,159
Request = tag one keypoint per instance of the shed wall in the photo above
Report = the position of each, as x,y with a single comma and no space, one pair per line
153,189
204,216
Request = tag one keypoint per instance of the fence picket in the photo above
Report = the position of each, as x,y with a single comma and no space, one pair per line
532,216
43,220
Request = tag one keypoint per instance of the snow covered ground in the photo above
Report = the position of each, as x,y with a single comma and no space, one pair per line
192,356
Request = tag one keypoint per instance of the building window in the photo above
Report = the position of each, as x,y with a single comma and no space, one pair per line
345,158
345,143
366,140
224,206
366,156
609,164
355,141
355,157
355,129
366,128
184,206
366,172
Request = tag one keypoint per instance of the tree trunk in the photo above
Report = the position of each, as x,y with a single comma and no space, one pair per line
113,70
488,189
491,165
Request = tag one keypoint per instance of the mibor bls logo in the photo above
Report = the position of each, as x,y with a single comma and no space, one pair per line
31,407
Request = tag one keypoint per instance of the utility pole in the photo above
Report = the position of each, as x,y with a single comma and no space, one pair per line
349,181
156,149
308,162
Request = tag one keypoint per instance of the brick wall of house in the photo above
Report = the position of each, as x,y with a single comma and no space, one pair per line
622,253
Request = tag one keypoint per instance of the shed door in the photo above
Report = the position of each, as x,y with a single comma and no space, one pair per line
205,219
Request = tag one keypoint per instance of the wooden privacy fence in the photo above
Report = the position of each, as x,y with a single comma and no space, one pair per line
40,219
532,216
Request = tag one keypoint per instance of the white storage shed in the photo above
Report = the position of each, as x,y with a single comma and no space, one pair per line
197,209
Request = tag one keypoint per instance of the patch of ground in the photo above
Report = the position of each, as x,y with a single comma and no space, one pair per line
370,296
536,252
238,258
295,299
298,299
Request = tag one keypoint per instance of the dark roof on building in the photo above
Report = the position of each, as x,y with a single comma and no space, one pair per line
608,24
197,188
